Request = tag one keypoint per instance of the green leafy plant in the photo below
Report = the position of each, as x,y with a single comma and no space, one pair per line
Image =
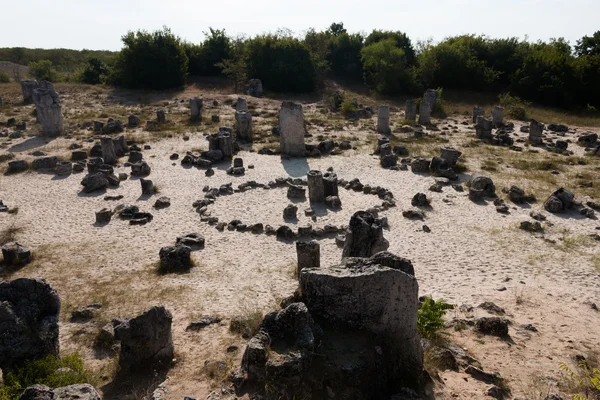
50,371
587,381
348,106
430,317
4,78
516,107
43,70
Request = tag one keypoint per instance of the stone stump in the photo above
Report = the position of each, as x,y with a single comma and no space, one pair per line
411,110
103,216
98,126
450,155
161,117
64,168
175,258
330,184
424,113
483,128
27,87
383,119
364,236
316,188
15,254
196,109
477,111
223,141
385,150
108,150
120,145
243,123
309,255
536,131
147,187
430,97
498,116
241,105
48,109
291,127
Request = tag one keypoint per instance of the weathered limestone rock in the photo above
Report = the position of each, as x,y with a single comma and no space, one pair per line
430,97
296,192
425,113
112,126
243,123
290,212
411,110
64,168
330,184
133,121
140,168
103,216
44,163
316,188
333,202
291,127
420,165
17,166
98,126
146,340
175,258
498,116
222,141
108,150
254,88
241,105
83,391
559,201
364,236
147,187
27,87
29,310
378,295
483,183
477,111
15,255
536,130
192,240
92,182
196,109
483,128
120,145
383,119
450,155
309,255
161,117
48,108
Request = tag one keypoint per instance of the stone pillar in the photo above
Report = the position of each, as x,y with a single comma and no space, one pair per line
223,140
27,87
241,105
147,186
536,130
291,127
243,121
477,111
383,119
48,109
160,116
483,128
103,216
108,150
120,146
196,109
316,188
430,97
309,255
411,110
498,116
450,155
364,236
385,150
330,184
424,113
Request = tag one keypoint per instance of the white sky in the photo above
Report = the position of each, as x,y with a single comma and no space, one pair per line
99,24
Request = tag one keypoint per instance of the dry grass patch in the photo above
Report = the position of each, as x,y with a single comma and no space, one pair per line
246,324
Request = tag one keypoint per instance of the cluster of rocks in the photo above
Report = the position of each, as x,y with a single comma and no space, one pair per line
426,107
562,200
361,315
133,215
113,126
441,166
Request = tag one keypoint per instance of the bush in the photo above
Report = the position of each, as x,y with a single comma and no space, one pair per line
50,371
283,64
515,107
587,380
4,78
151,61
430,317
94,71
43,71
348,106
385,66
345,56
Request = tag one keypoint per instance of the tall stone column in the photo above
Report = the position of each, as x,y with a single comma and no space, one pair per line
108,150
48,109
196,109
483,128
291,129
316,189
241,105
536,131
477,111
383,119
243,122
498,116
330,184
430,97
424,113
411,110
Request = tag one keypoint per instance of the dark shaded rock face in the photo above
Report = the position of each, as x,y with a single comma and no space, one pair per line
175,258
483,183
29,311
83,391
560,200
146,340
364,236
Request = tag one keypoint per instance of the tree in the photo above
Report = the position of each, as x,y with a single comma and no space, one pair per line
385,66
401,40
43,71
336,29
318,44
151,60
215,48
235,66
94,71
344,57
588,45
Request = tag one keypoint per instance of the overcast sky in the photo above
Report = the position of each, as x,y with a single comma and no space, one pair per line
99,24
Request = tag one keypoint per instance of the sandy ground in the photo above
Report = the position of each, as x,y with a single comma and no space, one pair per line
473,254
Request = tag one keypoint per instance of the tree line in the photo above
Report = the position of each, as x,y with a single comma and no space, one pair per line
552,73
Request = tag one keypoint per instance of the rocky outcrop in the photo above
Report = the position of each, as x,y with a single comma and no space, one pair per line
29,310
82,391
364,236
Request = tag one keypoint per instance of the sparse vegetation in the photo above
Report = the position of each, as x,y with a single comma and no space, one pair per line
247,323
430,317
9,234
586,380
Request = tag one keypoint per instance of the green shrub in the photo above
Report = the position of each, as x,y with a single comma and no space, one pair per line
515,107
4,78
50,371
587,380
430,317
94,71
151,61
43,71
348,106
385,66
